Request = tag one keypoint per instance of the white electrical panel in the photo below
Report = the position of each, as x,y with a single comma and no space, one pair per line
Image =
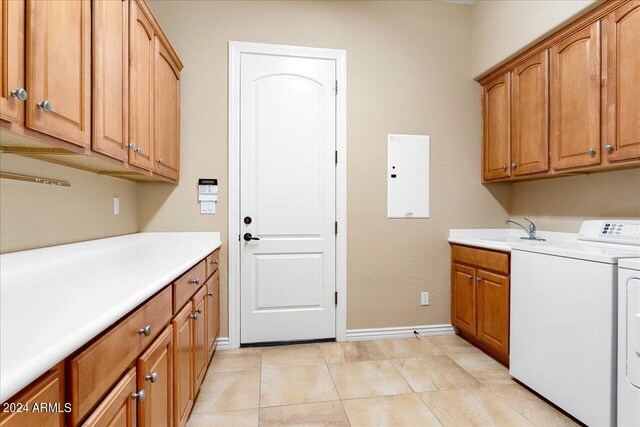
408,176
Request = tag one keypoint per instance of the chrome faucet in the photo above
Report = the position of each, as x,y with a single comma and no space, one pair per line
531,230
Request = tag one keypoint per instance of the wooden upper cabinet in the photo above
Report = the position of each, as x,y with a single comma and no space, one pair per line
463,298
496,128
155,377
59,69
167,113
621,79
110,77
119,407
141,58
493,310
12,88
575,100
530,116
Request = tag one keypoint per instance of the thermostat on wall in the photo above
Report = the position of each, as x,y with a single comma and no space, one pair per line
207,195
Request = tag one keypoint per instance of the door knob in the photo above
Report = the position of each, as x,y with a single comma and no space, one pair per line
44,106
153,377
19,93
514,165
146,331
248,237
469,277
504,167
139,395
591,151
138,150
608,148
160,161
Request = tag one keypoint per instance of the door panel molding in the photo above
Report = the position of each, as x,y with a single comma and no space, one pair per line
236,49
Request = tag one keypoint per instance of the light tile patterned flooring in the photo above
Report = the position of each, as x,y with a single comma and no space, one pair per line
431,381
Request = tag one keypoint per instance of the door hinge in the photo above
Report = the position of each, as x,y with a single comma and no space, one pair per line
336,87
336,227
336,157
336,298
238,237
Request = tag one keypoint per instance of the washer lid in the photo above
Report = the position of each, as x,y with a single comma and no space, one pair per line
630,263
602,252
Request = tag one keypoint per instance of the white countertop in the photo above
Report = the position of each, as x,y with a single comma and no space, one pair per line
54,300
503,239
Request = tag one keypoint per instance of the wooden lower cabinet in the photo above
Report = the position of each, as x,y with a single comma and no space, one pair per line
212,314
155,377
183,365
480,298
119,407
46,390
200,349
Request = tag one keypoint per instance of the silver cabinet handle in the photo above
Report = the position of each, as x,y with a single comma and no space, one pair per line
160,162
44,106
19,93
210,294
514,165
146,331
194,316
138,150
609,148
469,277
478,279
215,262
504,167
195,281
153,377
139,395
591,151
129,146
198,310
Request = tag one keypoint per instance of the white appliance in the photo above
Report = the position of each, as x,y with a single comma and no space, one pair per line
629,342
564,317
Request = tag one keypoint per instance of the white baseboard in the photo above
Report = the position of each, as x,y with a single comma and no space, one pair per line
223,343
399,332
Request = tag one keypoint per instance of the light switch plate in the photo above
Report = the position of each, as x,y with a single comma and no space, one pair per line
424,298
116,205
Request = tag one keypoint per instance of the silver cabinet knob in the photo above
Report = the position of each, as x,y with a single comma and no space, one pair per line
514,165
609,148
195,281
153,377
138,150
198,310
44,106
19,93
591,151
160,162
504,167
469,277
146,331
139,395
210,294
478,279
194,316
129,146
215,262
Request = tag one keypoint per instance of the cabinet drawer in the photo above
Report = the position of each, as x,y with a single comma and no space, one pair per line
46,390
187,285
212,262
98,367
495,261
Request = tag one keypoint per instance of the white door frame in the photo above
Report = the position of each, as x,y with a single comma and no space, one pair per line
236,49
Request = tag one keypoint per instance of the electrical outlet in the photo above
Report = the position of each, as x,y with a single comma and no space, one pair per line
116,205
424,298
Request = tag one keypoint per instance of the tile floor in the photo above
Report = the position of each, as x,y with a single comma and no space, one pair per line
432,381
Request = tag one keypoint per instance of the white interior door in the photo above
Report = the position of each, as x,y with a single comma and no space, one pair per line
287,189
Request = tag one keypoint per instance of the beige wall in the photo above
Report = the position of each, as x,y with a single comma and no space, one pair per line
408,72
35,215
503,28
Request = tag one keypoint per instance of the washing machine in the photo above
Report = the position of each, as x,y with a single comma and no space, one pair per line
629,342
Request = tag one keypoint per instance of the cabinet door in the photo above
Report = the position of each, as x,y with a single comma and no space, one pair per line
183,365
167,114
496,128
47,390
463,298
530,116
119,407
141,59
12,60
213,313
575,100
200,350
621,69
110,77
493,310
155,377
59,69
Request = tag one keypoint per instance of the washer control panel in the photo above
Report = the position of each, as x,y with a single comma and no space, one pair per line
612,231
